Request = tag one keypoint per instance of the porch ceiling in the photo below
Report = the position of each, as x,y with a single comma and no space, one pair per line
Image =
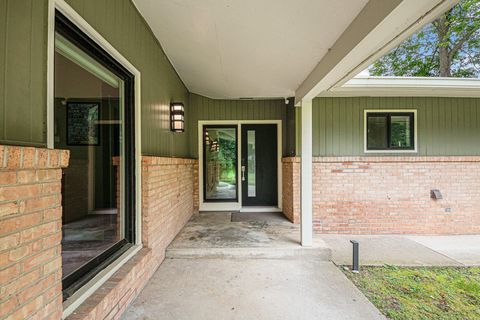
247,48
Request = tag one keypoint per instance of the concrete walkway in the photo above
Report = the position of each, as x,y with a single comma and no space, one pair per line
463,249
407,250
210,289
251,266
248,266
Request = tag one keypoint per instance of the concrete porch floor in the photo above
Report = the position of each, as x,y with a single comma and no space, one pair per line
243,235
248,266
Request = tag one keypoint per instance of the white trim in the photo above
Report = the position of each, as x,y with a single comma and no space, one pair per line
406,86
407,82
306,174
415,132
83,25
87,290
236,206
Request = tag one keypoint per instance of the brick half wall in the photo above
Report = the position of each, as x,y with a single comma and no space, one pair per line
168,195
30,232
167,204
391,195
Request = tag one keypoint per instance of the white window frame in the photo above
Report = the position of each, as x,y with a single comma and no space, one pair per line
390,151
90,287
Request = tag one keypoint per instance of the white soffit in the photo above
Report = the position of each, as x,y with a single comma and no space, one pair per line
247,48
406,86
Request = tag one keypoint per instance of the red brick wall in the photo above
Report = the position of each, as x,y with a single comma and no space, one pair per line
291,188
391,195
167,204
112,299
30,232
167,200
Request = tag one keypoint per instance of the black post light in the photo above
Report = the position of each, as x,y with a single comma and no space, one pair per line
355,262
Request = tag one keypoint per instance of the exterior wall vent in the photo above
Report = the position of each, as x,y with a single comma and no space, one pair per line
436,194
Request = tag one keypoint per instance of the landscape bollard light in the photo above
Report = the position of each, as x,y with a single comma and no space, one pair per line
355,265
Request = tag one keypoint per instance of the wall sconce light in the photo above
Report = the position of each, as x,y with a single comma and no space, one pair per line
177,117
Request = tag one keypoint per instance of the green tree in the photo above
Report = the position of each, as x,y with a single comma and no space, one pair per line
447,47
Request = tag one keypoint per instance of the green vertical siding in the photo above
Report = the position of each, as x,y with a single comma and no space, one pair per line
121,24
23,56
446,126
202,108
23,71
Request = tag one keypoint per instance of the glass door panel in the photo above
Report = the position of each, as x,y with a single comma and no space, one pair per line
220,163
92,99
251,164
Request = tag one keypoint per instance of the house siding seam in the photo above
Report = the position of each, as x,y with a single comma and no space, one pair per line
391,195
167,205
30,232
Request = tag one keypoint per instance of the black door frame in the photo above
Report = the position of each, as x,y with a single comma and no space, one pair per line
204,167
214,206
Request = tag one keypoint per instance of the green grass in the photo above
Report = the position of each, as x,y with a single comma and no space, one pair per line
421,293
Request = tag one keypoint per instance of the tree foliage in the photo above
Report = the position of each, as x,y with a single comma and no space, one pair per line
447,47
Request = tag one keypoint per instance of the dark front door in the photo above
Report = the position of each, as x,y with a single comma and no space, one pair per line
259,165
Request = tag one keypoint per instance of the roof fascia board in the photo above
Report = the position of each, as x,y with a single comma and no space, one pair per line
407,86
380,26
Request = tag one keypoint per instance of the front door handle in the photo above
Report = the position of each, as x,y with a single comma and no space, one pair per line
243,173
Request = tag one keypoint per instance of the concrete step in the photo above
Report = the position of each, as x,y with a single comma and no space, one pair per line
319,251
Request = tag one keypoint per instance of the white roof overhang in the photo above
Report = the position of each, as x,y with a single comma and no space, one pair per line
406,87
379,27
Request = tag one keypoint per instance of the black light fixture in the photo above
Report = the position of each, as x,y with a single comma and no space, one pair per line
177,117
214,147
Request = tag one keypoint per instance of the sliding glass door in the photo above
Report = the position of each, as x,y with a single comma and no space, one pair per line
94,120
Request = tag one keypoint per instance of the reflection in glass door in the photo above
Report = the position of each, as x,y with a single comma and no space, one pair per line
93,119
220,163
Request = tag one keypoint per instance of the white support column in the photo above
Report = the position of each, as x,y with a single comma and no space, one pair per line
306,225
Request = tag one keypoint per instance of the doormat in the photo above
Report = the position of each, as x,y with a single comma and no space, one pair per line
269,217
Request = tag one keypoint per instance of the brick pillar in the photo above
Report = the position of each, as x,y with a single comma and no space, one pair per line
291,188
30,232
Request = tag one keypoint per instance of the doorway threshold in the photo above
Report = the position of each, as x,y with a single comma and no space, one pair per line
260,209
